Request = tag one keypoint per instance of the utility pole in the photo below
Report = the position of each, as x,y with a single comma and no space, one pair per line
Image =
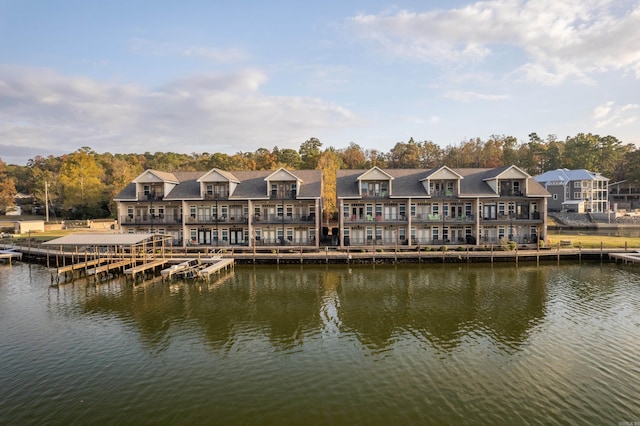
46,201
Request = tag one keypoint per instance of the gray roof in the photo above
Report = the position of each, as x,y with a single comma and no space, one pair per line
566,176
252,185
407,183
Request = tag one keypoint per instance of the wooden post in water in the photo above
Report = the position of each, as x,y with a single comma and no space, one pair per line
558,252
516,254
601,247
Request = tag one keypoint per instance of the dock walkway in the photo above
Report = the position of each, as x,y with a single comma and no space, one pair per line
9,255
631,257
147,266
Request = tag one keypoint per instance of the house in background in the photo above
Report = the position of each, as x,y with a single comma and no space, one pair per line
439,206
579,190
625,195
223,209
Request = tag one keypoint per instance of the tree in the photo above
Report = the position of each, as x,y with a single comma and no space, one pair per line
353,156
310,153
329,163
288,158
405,155
84,193
7,188
430,155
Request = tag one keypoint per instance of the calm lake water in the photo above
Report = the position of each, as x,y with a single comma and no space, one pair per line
408,344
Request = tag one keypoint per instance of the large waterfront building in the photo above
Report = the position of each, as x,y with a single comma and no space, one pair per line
579,190
439,206
223,209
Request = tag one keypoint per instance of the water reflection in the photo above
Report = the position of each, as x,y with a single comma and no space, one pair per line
439,305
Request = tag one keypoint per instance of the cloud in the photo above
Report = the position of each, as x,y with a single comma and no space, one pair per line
610,115
560,40
40,108
154,48
467,96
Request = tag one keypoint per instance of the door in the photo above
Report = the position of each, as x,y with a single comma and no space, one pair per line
204,236
235,236
490,211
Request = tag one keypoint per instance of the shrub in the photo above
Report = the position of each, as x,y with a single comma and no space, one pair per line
507,244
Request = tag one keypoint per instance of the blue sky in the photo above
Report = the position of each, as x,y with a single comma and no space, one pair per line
230,76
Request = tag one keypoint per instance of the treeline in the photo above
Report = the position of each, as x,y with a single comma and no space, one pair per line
83,184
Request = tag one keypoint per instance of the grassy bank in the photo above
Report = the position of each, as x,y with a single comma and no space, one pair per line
593,241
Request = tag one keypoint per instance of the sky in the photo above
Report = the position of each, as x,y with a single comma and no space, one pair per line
234,76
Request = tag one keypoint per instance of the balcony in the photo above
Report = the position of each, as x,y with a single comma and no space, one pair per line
511,193
212,220
369,194
437,218
216,196
505,218
283,195
150,196
151,219
279,219
444,194
363,219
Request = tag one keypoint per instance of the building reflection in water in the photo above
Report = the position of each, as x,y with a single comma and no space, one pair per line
287,306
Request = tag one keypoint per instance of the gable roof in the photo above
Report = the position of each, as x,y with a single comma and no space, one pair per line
408,183
251,185
434,172
163,176
227,175
282,170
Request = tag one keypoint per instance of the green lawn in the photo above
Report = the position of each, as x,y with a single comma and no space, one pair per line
594,241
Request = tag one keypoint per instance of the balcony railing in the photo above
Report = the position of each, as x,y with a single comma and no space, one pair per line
518,217
435,218
148,219
378,218
447,193
511,193
150,196
283,195
209,219
277,219
216,196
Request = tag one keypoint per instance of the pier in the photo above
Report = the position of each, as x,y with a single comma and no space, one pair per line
9,255
626,258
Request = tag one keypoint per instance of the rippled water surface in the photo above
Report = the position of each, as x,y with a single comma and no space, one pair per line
325,345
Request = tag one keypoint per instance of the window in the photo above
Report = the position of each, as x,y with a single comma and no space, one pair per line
555,196
500,232
403,210
577,184
577,195
413,210
192,211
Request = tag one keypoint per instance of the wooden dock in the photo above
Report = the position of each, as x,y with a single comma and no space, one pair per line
201,268
215,268
9,255
145,267
631,257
